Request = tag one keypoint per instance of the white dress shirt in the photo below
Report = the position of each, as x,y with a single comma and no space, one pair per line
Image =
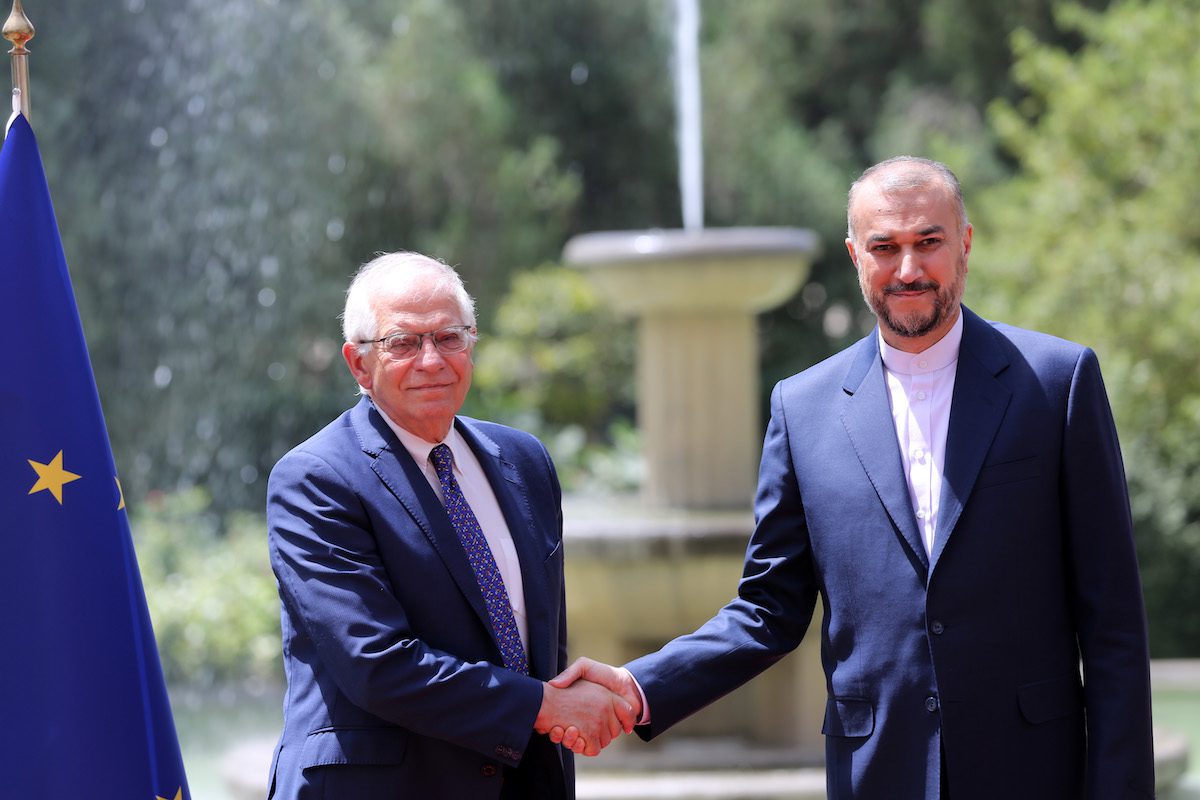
479,495
921,388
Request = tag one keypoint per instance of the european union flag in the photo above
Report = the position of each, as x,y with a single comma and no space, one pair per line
84,709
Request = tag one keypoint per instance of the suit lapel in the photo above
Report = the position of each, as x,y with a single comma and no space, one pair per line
867,417
404,478
979,404
512,495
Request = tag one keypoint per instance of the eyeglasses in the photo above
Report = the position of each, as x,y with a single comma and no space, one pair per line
403,346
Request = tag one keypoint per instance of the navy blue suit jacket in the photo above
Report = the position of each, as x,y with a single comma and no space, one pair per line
977,649
395,684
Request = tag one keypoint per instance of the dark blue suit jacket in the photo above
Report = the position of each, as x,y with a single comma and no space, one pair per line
395,687
977,649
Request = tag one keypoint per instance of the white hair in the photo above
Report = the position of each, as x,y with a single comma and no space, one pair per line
359,320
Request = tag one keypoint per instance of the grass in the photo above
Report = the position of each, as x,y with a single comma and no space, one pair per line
1178,710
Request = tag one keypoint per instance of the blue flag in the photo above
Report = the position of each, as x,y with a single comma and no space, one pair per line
83,704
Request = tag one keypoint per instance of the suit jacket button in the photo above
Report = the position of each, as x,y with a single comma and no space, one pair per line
488,770
931,704
937,627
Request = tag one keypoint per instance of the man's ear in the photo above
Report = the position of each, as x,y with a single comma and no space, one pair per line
851,251
355,360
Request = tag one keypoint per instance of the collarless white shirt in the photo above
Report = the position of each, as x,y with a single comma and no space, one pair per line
482,499
921,388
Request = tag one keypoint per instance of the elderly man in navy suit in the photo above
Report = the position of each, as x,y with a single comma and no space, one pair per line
953,492
420,568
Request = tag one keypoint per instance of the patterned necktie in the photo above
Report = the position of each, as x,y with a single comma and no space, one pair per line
483,563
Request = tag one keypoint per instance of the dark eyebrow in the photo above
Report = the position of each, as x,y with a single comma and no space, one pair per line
877,238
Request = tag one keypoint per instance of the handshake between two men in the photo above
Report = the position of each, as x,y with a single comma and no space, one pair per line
588,706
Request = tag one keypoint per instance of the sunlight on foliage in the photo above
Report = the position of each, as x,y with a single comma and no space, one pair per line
1096,239
210,590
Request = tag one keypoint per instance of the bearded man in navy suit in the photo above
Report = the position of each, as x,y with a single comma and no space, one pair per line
953,492
420,568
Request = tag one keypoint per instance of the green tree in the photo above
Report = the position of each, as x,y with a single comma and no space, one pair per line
462,181
596,77
800,97
1095,239
221,167
211,592
504,127
198,157
559,363
556,357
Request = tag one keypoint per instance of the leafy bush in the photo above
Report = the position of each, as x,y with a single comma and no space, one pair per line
1095,239
559,363
210,590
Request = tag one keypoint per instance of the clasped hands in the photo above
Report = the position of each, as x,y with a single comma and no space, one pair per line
588,705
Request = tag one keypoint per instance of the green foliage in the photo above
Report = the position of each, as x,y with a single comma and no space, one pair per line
218,182
594,75
556,354
210,590
465,184
800,97
201,180
559,362
598,469
219,179
1096,240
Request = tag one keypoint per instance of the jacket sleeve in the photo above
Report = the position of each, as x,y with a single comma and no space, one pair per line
335,589
1106,594
768,618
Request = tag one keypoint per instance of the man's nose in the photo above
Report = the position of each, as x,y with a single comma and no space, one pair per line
428,356
910,267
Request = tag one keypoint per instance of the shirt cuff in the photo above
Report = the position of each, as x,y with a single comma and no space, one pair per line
644,719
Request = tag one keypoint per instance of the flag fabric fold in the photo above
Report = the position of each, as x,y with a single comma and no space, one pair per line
84,708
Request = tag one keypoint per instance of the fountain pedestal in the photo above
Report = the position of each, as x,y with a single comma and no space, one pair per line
637,578
695,295
641,571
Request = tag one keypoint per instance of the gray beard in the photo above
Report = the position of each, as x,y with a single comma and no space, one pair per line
946,301
912,326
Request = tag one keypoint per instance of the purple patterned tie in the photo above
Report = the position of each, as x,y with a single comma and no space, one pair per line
483,563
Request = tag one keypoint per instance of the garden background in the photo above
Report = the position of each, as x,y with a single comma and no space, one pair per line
221,167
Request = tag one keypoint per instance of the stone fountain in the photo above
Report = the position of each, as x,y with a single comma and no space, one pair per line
695,294
642,570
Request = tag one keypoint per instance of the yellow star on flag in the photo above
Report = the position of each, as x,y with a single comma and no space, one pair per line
178,795
52,476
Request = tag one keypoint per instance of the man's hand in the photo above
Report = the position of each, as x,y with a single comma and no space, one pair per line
616,679
595,715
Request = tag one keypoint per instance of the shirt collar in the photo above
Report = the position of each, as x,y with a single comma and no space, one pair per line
419,449
941,354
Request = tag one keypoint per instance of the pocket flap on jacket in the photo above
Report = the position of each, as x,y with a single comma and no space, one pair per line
848,716
1009,472
1047,700
353,746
